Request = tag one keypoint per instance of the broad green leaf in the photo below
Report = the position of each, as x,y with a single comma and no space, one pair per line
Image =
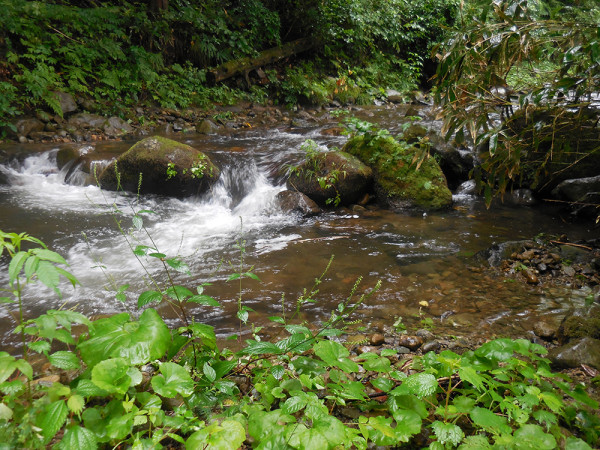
119,426
419,384
64,360
277,319
294,404
381,431
206,333
326,430
336,355
552,401
383,384
178,293
545,417
49,255
204,300
378,364
408,402
408,422
228,435
497,350
574,443
277,371
447,433
533,436
24,367
173,380
111,375
178,265
209,372
489,421
76,403
48,275
7,300
142,341
138,222
5,412
470,375
86,388
142,250
148,297
52,418
39,346
260,348
262,424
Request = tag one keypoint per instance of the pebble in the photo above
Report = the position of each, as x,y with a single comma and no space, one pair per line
411,342
530,277
377,339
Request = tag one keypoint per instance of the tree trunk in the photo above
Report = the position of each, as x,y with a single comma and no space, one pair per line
266,57
159,5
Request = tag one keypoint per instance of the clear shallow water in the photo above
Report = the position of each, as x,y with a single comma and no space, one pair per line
417,257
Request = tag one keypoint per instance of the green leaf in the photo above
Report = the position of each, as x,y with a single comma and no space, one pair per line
172,381
79,438
552,401
64,360
111,375
48,275
138,222
489,421
49,255
419,384
228,435
157,255
204,300
40,346
142,341
475,443
76,403
294,404
378,364
264,424
204,332
277,319
52,418
383,384
15,266
5,412
336,355
470,375
178,293
147,297
209,372
381,431
533,436
497,350
178,265
447,433
574,443
251,275
408,422
7,300
260,348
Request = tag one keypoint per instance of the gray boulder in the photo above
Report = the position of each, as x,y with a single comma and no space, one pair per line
67,102
167,167
575,353
576,189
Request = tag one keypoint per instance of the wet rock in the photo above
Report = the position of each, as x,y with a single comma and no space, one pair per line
67,102
394,96
87,121
576,353
193,171
411,342
578,326
576,189
530,277
546,328
425,334
24,127
334,131
568,270
519,197
377,339
367,349
115,126
351,179
207,127
431,346
294,201
400,185
414,133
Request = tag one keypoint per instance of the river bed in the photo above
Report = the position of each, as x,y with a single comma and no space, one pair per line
424,261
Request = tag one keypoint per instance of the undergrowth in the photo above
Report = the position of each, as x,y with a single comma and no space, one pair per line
132,381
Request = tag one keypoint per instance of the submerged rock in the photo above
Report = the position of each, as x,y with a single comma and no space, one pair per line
332,178
398,180
166,167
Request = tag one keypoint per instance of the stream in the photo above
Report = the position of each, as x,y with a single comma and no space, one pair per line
424,261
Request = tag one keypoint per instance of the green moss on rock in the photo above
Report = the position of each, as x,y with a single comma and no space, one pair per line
167,167
397,179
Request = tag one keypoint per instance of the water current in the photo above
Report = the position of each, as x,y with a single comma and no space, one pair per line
418,257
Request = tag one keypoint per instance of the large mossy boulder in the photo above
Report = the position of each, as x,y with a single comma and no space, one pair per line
398,181
167,167
332,178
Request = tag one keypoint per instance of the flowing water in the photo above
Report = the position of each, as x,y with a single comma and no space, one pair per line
418,257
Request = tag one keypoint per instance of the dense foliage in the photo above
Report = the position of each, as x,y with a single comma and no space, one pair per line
133,381
519,78
124,53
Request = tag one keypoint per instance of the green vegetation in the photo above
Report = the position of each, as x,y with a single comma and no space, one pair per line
122,54
405,174
542,56
135,382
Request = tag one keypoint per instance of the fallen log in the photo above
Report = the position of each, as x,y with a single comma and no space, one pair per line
266,57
